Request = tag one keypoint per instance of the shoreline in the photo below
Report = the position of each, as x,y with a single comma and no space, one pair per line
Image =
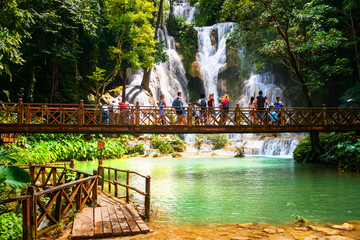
247,231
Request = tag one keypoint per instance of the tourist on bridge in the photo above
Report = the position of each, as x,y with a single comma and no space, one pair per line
162,106
260,103
178,104
273,115
105,113
278,104
197,112
125,113
211,106
203,104
252,107
114,112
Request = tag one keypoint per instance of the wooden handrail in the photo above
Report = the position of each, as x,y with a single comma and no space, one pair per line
127,186
63,186
16,199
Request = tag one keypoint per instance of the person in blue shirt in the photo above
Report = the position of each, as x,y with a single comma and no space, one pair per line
278,104
105,113
273,115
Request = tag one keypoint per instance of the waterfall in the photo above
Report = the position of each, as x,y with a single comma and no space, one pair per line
166,78
264,82
184,10
212,54
279,147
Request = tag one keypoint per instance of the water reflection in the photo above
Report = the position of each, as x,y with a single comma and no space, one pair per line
219,190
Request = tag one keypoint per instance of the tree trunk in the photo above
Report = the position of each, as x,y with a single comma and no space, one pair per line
159,17
355,45
54,80
146,79
123,97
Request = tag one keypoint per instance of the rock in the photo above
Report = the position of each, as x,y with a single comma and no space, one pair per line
195,70
280,230
345,226
301,228
338,237
245,225
269,230
240,238
297,236
326,231
262,224
177,155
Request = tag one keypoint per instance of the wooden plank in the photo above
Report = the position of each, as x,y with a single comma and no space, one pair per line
132,224
106,221
83,224
98,222
115,224
143,227
123,223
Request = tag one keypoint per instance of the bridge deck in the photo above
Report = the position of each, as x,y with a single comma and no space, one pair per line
111,218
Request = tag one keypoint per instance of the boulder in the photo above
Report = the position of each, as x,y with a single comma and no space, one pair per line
195,70
269,230
337,237
245,225
326,231
345,226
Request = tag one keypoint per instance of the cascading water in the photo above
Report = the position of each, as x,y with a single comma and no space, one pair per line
184,10
212,54
166,78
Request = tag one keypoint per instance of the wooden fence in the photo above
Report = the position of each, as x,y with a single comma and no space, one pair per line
113,179
55,191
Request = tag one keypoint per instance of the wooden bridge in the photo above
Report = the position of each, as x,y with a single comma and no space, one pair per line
57,192
64,118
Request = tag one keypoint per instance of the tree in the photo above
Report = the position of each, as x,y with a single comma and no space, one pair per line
299,34
130,22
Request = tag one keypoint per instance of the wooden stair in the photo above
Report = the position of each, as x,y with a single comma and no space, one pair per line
111,219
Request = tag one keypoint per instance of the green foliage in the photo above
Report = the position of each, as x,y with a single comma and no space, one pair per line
218,140
341,150
208,12
47,148
167,145
137,149
14,176
240,150
186,36
10,226
198,141
351,97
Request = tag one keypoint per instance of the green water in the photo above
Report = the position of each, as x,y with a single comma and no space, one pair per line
233,190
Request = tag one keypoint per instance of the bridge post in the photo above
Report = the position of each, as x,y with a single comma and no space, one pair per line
282,115
325,120
20,112
81,113
26,218
189,115
147,198
27,114
127,189
33,212
237,115
95,187
137,114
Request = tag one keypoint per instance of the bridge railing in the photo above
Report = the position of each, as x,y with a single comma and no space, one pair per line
55,191
116,178
87,114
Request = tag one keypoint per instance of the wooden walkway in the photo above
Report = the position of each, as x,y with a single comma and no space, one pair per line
110,219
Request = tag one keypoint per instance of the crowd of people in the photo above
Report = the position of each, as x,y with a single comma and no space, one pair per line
204,110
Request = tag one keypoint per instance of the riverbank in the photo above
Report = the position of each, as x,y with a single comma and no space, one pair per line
245,231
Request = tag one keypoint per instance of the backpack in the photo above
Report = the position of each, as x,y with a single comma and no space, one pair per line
176,102
203,103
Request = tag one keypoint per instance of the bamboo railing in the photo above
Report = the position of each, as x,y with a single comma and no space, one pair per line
113,179
37,117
